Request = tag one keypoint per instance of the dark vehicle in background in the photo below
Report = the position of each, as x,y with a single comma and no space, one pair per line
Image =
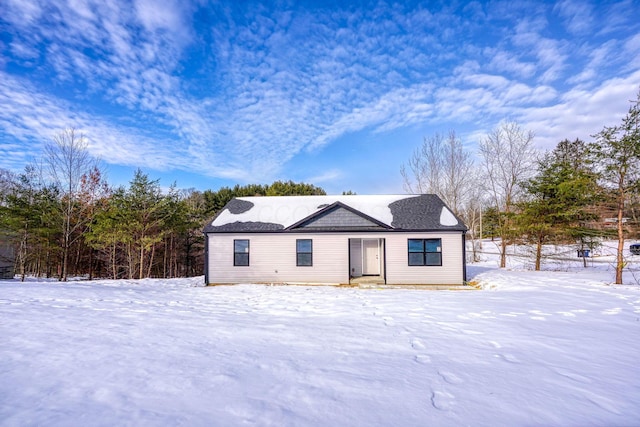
635,249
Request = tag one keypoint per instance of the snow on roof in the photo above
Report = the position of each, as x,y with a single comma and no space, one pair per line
447,218
398,212
287,210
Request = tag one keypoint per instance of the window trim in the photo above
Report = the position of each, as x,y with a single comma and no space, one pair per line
298,253
424,252
247,253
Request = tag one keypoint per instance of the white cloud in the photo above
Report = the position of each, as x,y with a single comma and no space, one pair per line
34,118
631,52
163,15
580,113
83,8
618,15
502,61
22,13
331,175
272,83
577,15
24,51
550,53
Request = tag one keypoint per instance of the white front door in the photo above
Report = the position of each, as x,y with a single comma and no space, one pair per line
371,257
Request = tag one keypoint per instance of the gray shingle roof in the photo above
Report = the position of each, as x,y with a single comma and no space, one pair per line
420,213
424,212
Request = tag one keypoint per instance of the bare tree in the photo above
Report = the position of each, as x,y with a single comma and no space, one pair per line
6,182
441,166
68,160
508,159
425,167
472,215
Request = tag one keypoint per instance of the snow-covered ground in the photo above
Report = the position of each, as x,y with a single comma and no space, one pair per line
551,348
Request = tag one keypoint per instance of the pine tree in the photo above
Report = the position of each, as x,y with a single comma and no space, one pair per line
558,196
30,218
618,153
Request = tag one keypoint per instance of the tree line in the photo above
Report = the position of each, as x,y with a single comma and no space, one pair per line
579,192
64,220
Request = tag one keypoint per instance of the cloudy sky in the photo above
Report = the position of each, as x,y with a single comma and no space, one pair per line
211,93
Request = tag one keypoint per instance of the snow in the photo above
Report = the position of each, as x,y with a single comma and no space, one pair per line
447,218
552,348
287,210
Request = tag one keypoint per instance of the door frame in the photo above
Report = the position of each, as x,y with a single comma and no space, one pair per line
355,264
378,257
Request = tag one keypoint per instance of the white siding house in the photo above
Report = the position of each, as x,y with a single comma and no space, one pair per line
335,240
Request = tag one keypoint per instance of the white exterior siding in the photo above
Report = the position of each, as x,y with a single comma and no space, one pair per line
272,258
399,272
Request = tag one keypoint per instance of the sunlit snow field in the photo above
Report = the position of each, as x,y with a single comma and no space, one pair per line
551,348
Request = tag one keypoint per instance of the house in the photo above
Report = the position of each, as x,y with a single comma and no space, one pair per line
386,239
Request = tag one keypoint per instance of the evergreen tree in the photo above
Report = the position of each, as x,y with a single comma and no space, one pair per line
558,196
30,218
108,235
93,199
491,222
290,188
214,201
132,225
617,149
146,211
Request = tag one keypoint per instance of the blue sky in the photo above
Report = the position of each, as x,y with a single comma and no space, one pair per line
337,94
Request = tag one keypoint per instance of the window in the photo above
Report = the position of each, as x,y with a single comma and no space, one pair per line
240,253
304,252
425,251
